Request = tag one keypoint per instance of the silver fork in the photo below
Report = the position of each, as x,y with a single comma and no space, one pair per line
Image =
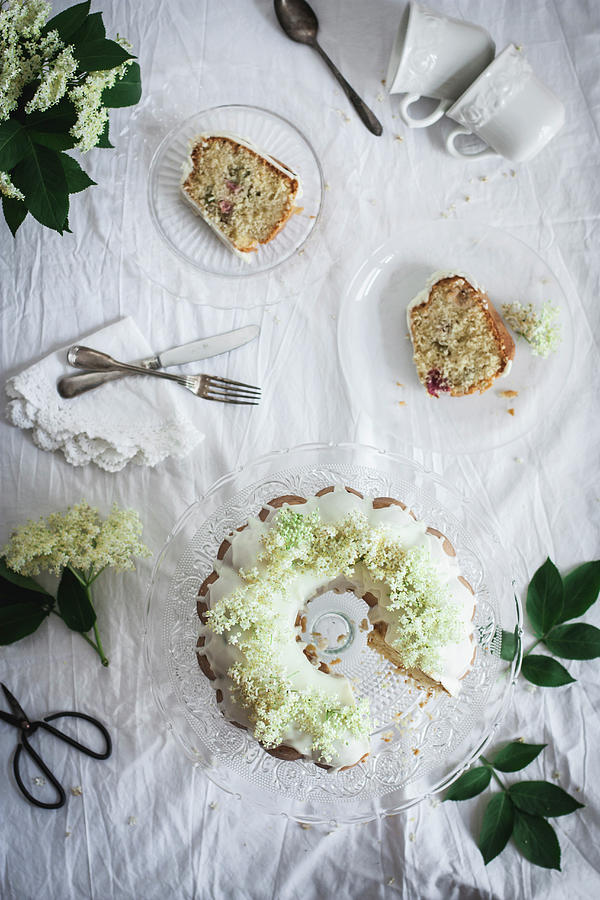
209,387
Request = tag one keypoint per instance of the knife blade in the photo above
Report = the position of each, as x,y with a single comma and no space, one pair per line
205,347
73,385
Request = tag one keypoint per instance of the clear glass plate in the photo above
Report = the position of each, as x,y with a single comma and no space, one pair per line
418,748
376,352
185,233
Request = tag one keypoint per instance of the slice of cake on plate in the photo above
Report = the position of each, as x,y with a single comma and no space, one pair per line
244,195
460,343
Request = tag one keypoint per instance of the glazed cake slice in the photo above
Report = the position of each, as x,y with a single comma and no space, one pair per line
460,343
245,196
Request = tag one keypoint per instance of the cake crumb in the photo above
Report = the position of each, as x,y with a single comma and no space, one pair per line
67,834
391,880
340,638
416,751
399,384
483,178
39,781
212,804
411,836
510,411
132,820
380,97
345,116
305,826
335,661
77,791
364,625
399,138
383,81
508,393
513,173
556,775
327,186
401,402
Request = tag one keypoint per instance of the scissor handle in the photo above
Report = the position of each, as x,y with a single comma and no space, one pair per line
25,745
69,740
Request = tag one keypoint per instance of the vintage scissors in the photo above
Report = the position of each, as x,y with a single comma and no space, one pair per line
27,728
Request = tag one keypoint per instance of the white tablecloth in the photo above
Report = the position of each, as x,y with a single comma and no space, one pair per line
147,824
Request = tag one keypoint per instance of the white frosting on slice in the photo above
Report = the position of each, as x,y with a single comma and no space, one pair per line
455,658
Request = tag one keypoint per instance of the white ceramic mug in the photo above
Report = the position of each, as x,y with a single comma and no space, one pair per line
509,108
435,56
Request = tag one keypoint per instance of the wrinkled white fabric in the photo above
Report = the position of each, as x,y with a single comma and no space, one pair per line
136,420
188,839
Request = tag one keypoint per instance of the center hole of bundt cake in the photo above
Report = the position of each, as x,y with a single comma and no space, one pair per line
335,631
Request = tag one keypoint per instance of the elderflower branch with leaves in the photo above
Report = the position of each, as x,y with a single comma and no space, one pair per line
58,79
76,546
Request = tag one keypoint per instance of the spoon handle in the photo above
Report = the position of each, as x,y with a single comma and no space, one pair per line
365,114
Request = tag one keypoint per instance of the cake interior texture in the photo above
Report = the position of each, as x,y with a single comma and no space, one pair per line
239,192
460,343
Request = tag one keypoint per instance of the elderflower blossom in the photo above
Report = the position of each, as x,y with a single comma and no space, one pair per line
23,49
86,97
253,618
8,189
54,82
77,538
540,329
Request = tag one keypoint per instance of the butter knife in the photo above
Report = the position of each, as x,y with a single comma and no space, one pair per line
72,385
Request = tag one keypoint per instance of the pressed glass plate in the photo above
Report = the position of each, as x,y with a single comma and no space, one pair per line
187,235
419,745
376,352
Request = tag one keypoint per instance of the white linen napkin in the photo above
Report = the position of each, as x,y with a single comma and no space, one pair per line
139,420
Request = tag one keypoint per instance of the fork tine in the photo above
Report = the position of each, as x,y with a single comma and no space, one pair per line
213,378
233,392
228,400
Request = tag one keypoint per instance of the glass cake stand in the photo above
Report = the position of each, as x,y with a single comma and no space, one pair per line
418,747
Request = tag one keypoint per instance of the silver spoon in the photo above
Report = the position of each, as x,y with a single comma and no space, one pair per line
300,24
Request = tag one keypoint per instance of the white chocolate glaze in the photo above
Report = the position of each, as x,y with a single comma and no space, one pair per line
455,658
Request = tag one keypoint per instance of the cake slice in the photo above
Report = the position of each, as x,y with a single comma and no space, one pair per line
460,343
245,196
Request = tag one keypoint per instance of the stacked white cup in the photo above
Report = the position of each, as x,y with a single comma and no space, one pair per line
500,100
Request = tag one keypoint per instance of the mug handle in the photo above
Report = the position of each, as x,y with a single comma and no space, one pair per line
438,112
453,150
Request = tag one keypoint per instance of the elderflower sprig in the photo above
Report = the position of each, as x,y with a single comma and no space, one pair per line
540,328
76,546
58,79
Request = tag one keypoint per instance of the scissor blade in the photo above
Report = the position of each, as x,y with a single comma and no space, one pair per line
14,704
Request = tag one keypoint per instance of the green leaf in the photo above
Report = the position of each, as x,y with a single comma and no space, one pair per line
67,22
496,827
41,178
24,605
509,646
577,641
103,140
19,619
582,587
516,755
126,91
74,603
541,798
13,144
77,179
545,598
545,671
22,581
14,213
97,55
92,30
56,140
59,118
536,840
470,784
